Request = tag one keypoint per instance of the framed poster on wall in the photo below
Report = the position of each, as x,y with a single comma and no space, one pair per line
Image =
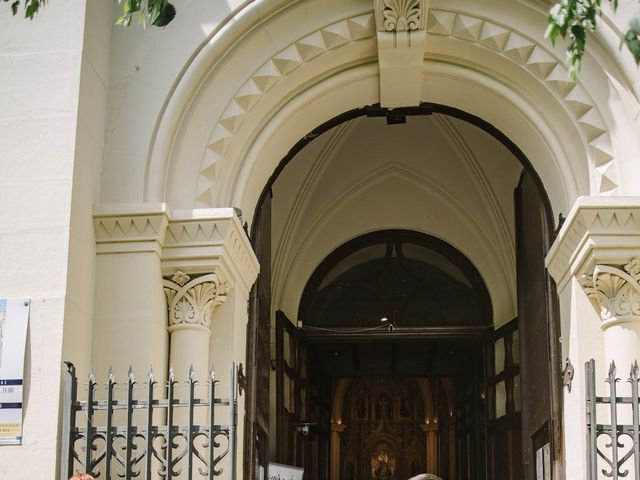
14,316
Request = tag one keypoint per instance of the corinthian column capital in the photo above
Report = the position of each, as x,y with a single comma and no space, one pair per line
191,302
615,292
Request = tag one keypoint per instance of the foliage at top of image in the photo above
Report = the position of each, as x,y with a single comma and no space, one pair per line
574,18
158,13
571,19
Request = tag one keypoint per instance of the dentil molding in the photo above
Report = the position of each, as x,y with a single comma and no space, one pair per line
599,234
198,241
191,302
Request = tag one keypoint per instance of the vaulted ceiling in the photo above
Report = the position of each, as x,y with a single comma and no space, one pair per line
435,174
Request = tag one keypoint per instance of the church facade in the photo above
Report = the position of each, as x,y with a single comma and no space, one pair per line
403,218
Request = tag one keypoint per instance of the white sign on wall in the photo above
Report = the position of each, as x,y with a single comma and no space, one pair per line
277,471
14,316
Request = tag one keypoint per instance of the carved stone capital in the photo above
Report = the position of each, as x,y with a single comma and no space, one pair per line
400,15
191,302
614,292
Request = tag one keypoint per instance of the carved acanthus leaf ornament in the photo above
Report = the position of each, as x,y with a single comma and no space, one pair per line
401,15
614,291
191,302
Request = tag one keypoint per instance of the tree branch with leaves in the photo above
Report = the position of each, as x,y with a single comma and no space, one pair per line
574,18
158,13
571,19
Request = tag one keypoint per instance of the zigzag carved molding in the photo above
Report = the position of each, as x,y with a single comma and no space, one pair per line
301,51
611,228
527,53
549,69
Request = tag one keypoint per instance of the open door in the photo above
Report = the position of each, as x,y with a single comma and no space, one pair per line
256,435
538,327
302,406
504,433
291,394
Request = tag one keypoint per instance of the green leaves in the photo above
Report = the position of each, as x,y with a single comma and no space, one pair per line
149,12
31,7
166,15
573,18
632,37
158,13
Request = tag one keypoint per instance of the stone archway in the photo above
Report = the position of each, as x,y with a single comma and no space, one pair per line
218,147
217,141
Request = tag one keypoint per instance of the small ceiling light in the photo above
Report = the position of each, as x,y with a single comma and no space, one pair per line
336,353
384,319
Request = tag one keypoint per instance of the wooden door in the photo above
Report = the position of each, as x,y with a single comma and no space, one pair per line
258,330
538,327
504,433
471,424
291,393
302,405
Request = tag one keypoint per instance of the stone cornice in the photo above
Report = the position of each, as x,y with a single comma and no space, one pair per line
209,240
130,227
598,231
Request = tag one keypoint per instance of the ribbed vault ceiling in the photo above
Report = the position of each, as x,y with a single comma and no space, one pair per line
435,174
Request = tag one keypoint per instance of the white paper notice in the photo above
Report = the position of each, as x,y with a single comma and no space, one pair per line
546,453
539,465
278,471
14,316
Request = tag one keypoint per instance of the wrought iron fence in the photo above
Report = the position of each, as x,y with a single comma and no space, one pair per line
619,458
106,439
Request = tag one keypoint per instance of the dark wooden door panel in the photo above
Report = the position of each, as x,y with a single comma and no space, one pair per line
537,323
258,331
504,433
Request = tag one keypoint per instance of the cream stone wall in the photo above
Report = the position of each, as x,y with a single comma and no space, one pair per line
199,114
53,73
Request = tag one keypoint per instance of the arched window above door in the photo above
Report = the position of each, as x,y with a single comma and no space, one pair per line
402,277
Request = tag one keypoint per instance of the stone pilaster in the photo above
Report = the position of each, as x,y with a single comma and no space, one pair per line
598,301
598,248
129,325
139,244
181,274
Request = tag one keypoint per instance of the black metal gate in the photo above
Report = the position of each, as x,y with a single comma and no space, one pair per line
124,438
613,457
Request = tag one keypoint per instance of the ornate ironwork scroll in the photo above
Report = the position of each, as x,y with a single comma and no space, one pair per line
138,435
615,455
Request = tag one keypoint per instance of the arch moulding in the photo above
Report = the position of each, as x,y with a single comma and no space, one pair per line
219,141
